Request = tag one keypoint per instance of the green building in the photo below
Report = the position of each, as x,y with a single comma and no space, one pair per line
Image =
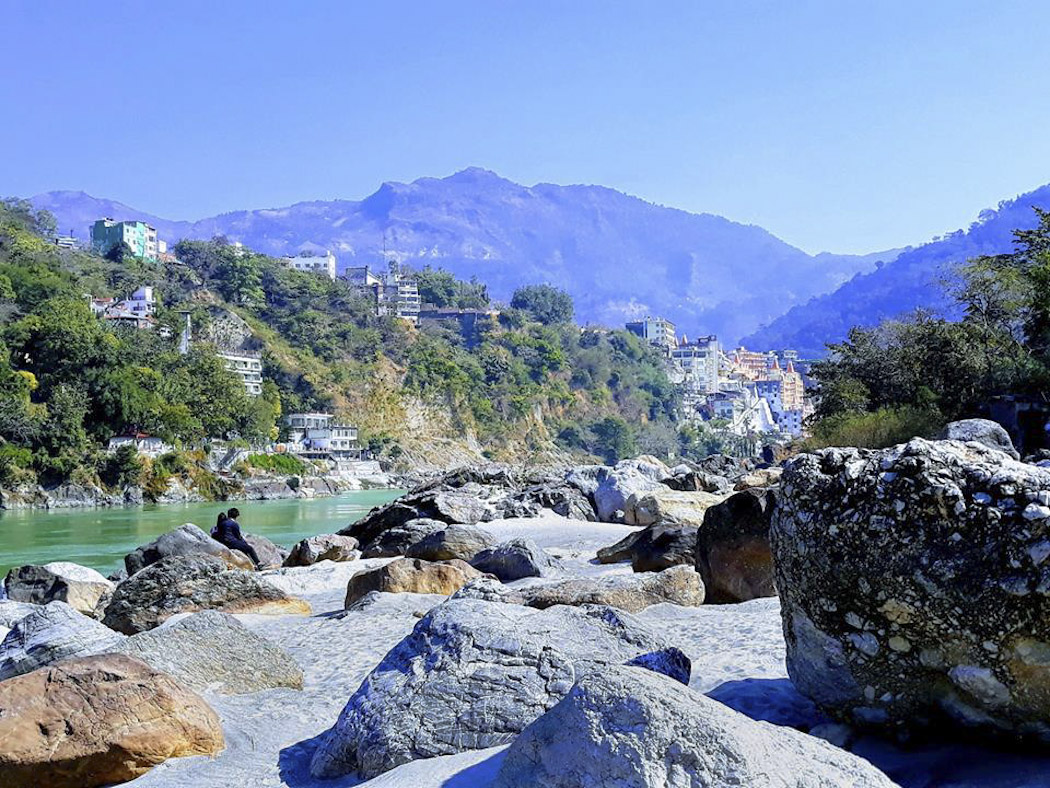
106,233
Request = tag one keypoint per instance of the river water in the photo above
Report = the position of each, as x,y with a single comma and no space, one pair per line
100,538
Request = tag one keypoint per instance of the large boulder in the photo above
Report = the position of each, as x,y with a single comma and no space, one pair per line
984,431
187,539
60,581
690,480
560,496
411,575
271,556
188,583
664,505
472,675
52,632
732,548
325,547
96,721
625,726
915,586
654,548
214,651
513,560
679,585
447,505
455,541
396,541
627,478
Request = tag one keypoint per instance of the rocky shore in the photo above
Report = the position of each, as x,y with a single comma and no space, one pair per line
178,490
854,618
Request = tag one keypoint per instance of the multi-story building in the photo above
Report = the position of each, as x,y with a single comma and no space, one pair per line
66,242
139,236
695,364
315,264
749,364
394,293
141,302
316,435
247,366
656,330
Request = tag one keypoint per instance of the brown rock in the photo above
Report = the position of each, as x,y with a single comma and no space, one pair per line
325,547
733,555
412,575
98,720
664,505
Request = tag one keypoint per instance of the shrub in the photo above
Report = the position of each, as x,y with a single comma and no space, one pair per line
877,429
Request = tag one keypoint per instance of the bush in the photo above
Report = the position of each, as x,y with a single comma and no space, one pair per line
122,468
285,464
876,430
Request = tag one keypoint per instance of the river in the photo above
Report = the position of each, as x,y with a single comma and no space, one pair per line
100,538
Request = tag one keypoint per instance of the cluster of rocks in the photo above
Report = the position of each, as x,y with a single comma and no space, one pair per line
914,585
99,678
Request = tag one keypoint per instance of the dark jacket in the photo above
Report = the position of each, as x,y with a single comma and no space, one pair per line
229,531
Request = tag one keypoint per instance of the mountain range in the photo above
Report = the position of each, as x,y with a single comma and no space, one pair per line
620,257
911,281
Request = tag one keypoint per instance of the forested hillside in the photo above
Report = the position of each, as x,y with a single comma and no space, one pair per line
522,386
911,281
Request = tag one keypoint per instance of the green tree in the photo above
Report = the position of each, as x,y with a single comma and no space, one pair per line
544,303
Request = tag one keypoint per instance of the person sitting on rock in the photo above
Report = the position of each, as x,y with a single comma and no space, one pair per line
229,534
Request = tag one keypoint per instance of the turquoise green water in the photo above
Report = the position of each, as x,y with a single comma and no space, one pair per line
100,538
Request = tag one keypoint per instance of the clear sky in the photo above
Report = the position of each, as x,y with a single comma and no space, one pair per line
840,125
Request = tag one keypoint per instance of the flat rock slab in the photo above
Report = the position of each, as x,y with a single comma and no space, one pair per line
680,585
82,723
213,651
472,675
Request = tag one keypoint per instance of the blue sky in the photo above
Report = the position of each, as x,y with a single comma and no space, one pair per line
839,126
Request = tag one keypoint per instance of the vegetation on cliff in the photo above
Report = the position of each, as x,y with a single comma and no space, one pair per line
528,382
911,376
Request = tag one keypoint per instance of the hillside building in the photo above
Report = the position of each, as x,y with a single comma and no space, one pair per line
140,237
656,330
247,366
316,264
318,436
394,292
695,364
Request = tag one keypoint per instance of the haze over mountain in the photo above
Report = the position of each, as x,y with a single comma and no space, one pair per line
913,280
619,256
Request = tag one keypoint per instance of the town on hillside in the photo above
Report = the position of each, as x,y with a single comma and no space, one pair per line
751,398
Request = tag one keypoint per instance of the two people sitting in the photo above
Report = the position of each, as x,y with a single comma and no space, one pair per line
227,531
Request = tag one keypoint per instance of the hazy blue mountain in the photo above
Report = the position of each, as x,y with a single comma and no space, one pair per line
620,257
913,280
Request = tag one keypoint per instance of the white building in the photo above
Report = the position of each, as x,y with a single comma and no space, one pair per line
146,445
142,302
316,435
655,330
320,264
248,366
696,364
395,293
